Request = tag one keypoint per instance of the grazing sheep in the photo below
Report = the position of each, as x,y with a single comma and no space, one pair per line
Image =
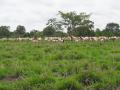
62,39
54,39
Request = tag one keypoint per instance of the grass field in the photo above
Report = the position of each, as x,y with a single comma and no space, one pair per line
59,66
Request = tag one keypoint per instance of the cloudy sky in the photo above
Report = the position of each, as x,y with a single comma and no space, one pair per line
33,14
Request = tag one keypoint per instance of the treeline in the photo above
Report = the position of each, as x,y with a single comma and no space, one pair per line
75,24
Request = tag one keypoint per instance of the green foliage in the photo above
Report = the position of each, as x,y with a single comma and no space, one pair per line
35,34
55,24
60,34
89,78
59,66
83,31
69,84
49,31
98,32
20,31
4,32
75,23
112,29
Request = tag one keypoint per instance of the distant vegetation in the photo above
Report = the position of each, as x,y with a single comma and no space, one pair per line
90,62
59,66
75,24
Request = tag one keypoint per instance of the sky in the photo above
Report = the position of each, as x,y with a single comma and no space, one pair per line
34,14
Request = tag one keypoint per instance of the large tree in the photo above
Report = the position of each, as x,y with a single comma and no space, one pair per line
49,31
54,23
112,29
75,23
20,31
53,28
4,32
60,34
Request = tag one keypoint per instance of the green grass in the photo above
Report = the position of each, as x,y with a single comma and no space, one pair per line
59,66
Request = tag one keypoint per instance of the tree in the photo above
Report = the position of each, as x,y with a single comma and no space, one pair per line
33,33
54,23
4,32
53,28
98,32
36,34
27,34
83,31
60,34
20,31
49,31
112,29
75,23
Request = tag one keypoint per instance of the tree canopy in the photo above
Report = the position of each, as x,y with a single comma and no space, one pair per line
20,31
76,24
4,31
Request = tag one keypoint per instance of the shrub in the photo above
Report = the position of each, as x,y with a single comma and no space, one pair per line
88,78
68,84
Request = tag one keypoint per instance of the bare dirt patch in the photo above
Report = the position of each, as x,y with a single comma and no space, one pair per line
11,78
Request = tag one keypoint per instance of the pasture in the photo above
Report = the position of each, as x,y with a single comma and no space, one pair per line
88,65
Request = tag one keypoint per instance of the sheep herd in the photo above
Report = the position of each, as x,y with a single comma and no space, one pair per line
77,39
62,39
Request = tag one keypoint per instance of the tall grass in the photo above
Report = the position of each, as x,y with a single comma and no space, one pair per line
59,66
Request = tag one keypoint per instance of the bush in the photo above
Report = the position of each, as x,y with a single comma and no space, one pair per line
88,78
68,56
68,84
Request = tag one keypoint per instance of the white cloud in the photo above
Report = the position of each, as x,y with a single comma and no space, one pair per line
33,14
